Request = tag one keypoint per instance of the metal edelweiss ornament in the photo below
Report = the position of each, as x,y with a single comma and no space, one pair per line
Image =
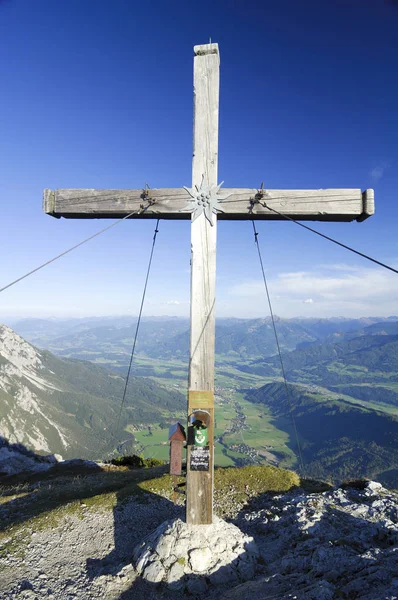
205,199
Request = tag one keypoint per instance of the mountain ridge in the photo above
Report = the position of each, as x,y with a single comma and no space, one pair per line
338,438
71,407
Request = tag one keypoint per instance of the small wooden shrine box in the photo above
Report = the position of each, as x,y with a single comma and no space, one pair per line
177,438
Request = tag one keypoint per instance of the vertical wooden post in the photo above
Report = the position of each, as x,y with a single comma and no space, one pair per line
199,507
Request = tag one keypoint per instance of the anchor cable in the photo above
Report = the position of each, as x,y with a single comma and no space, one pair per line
136,331
48,262
279,351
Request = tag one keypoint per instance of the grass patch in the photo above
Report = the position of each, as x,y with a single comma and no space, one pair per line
233,486
257,479
65,493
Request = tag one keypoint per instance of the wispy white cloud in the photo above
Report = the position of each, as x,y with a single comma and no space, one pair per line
378,171
325,292
339,267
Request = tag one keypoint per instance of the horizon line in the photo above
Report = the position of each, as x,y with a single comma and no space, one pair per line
157,317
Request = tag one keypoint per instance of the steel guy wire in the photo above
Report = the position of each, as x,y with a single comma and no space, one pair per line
279,351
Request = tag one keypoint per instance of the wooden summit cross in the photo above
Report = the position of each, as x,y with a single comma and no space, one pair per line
201,203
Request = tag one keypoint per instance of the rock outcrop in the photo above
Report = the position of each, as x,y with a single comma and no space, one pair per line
15,458
337,544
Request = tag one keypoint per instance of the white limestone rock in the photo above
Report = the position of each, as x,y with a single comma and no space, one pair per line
342,542
374,486
200,559
192,557
154,572
175,576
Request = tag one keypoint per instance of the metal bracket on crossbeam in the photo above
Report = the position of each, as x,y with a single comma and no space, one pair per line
147,197
258,198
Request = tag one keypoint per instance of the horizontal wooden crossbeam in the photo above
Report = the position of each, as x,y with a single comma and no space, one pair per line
242,204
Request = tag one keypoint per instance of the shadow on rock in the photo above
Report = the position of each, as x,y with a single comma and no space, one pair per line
133,518
170,558
16,458
336,544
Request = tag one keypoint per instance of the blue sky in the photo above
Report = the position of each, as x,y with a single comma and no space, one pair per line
99,94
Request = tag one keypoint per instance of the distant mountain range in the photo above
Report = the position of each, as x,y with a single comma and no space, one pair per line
364,367
110,339
376,352
342,379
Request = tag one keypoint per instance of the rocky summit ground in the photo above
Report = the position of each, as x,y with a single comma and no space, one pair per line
335,544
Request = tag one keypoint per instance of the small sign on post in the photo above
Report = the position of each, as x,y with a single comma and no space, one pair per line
199,459
177,438
198,440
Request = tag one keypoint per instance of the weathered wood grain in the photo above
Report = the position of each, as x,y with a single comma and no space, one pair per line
199,506
368,203
306,205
